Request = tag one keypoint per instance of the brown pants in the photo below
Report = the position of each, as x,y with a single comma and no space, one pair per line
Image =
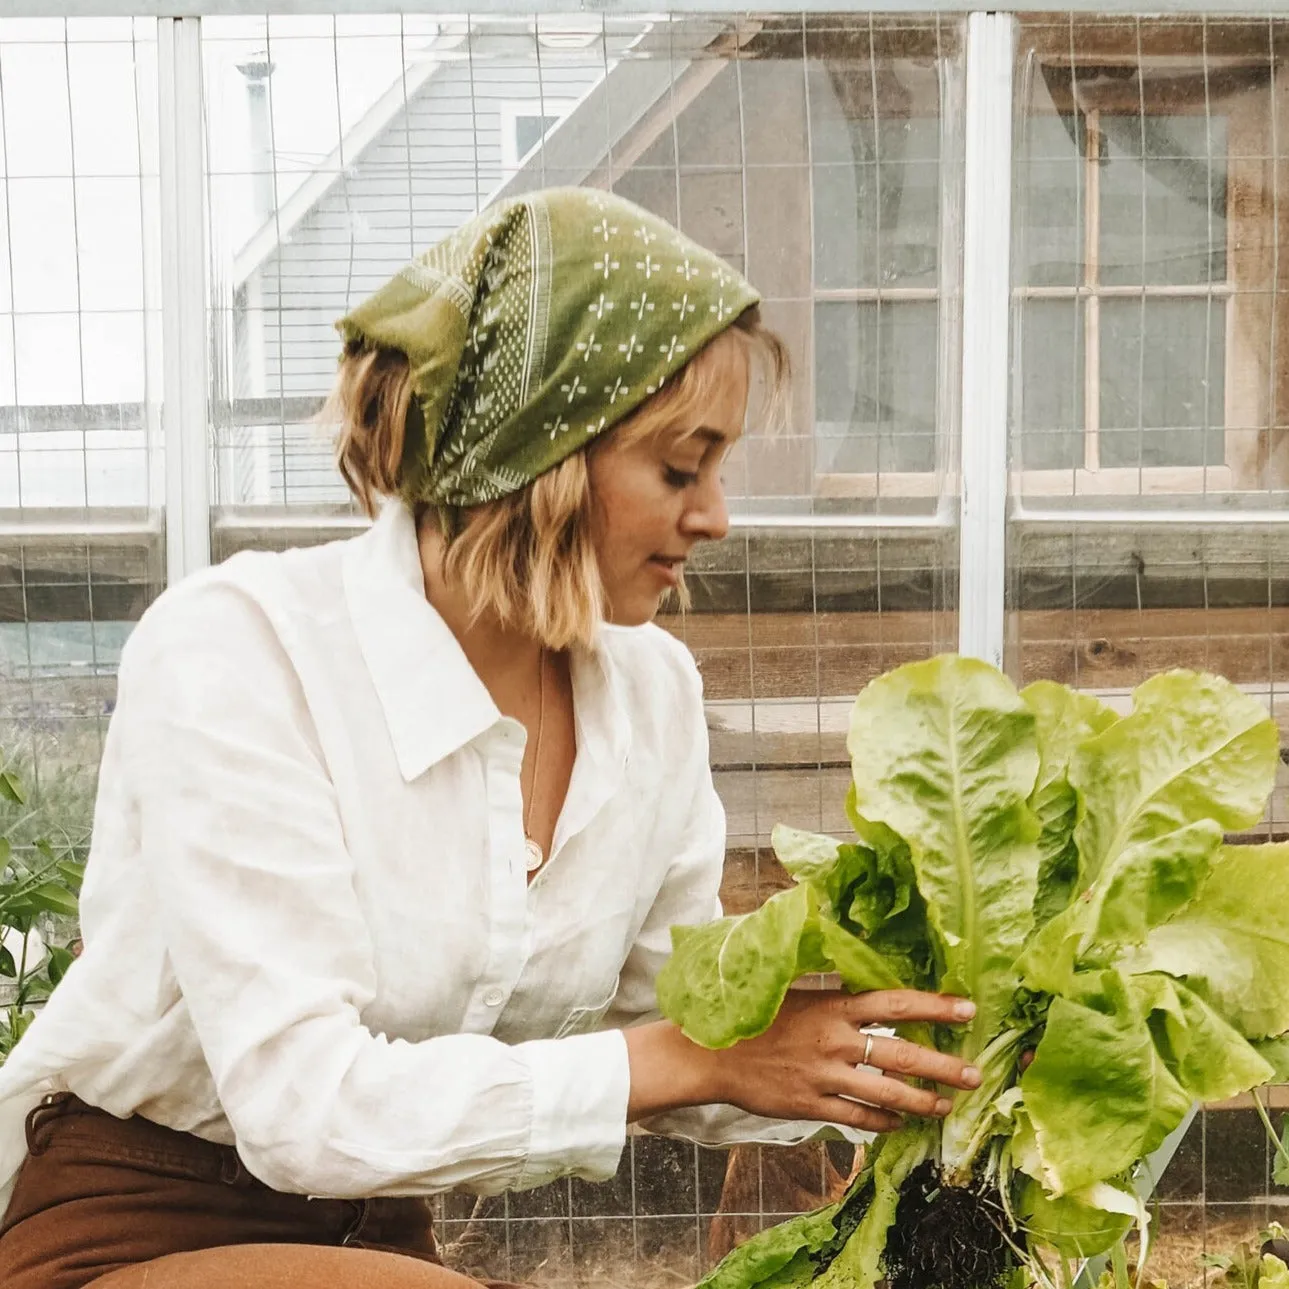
124,1204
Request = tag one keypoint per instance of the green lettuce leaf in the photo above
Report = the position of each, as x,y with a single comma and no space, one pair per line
860,966
1231,943
810,857
776,1256
1148,882
943,753
1203,1053
1063,719
1098,1092
726,980
885,889
861,884
1272,1273
1047,964
1275,1051
859,1264
1147,885
1280,1165
796,1275
1080,1225
1193,748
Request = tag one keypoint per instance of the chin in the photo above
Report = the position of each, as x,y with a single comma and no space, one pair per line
637,612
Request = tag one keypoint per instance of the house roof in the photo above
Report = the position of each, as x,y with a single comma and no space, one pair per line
643,92
284,220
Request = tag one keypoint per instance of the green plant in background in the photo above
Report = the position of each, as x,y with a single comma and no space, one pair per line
1254,1267
1066,868
40,881
58,802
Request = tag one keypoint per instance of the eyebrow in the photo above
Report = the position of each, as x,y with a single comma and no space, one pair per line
711,435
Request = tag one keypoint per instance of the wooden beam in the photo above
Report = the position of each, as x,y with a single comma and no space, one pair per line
761,656
779,688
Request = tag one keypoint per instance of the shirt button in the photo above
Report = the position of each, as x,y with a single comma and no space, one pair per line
493,997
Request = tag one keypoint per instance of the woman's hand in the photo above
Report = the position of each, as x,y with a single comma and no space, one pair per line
810,1063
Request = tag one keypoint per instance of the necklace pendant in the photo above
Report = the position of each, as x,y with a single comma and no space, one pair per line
535,856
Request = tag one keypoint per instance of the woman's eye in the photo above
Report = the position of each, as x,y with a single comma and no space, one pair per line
679,478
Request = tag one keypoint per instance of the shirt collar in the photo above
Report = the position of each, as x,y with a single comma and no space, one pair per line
433,700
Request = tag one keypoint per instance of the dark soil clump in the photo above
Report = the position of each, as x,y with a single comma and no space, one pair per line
947,1237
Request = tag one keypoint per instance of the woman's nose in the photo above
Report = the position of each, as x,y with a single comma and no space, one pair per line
708,519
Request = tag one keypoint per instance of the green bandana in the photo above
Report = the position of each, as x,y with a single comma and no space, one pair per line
540,323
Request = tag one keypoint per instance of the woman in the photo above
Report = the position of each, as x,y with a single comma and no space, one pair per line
390,832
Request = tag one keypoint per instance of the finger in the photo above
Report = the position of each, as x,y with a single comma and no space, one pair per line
899,1057
1026,1059
891,1094
854,1114
898,1006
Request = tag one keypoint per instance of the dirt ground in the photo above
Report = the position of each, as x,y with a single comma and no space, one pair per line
1184,1235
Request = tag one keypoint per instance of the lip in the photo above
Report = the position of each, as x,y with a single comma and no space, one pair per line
669,570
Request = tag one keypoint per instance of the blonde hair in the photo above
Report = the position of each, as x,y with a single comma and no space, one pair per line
528,560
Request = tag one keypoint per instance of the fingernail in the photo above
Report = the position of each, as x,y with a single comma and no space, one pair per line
971,1076
943,1106
964,1010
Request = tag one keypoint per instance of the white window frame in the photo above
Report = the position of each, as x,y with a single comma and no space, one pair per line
1090,478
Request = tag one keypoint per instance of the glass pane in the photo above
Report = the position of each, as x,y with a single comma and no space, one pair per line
1050,199
1170,227
80,380
1050,413
66,608
529,131
325,181
877,199
336,153
1163,198
875,407
1190,400
79,296
1162,382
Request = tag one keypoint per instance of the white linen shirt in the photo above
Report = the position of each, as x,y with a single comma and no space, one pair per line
308,928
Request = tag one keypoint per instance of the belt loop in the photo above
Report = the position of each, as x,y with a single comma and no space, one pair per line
232,1172
52,1106
355,1229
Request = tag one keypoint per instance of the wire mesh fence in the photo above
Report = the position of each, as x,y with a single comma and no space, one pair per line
823,154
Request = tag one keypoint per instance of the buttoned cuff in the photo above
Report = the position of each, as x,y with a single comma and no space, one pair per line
580,1088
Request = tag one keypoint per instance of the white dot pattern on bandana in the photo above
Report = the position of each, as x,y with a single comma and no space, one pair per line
577,305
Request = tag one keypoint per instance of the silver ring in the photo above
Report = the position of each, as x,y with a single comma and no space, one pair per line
868,1049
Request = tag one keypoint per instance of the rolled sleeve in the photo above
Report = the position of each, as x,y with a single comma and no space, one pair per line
580,1089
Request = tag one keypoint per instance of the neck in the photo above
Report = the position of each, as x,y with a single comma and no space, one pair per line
500,654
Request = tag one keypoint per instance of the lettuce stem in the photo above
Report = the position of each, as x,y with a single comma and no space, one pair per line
1282,1155
971,1122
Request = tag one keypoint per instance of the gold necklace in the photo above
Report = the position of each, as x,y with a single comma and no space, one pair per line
536,856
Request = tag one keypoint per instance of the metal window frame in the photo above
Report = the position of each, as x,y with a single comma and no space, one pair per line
613,8
986,322
183,297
